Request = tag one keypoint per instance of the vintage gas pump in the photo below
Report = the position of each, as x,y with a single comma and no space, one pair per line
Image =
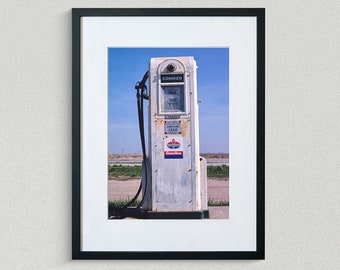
174,181
173,136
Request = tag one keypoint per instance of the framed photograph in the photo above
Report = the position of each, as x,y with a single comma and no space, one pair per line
168,133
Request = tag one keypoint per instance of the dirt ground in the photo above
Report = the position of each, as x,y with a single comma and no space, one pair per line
218,190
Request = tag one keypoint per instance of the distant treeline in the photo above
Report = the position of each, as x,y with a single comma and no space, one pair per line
139,156
215,155
221,171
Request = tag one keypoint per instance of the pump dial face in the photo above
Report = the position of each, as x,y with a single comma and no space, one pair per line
172,98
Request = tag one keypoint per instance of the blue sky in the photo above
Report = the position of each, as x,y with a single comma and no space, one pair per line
126,66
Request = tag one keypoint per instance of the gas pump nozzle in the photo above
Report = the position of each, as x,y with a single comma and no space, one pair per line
142,86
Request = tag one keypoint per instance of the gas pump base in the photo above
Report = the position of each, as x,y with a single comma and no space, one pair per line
146,214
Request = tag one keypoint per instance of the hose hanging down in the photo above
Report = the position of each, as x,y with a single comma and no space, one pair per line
141,94
141,86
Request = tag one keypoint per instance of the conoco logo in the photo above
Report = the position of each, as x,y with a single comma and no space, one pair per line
173,144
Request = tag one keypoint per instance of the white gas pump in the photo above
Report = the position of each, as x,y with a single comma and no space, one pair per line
174,181
173,135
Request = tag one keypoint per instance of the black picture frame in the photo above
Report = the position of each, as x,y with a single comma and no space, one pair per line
77,15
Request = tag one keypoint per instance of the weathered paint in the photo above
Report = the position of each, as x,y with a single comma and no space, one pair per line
176,182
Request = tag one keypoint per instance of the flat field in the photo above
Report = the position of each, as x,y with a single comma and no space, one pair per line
218,190
124,187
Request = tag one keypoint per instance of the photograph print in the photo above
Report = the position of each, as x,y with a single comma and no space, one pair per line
168,133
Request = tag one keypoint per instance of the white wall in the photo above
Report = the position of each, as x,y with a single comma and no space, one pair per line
302,136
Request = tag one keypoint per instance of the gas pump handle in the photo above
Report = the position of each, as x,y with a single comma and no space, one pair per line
142,86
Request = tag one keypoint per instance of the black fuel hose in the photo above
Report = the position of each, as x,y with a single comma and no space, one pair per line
141,94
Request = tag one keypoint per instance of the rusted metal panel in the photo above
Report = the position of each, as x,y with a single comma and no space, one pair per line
173,135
